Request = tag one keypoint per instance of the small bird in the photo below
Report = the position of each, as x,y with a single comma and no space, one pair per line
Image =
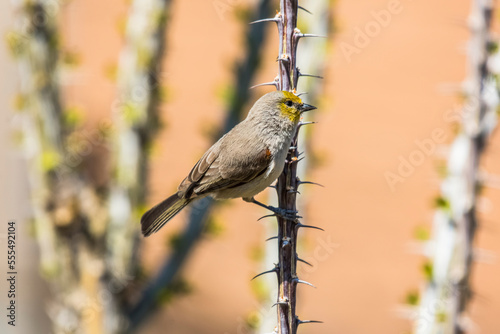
242,163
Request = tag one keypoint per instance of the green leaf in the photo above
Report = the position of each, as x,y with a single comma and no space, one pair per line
428,270
442,203
253,320
73,116
441,317
213,227
422,233
413,298
260,289
492,47
49,160
179,287
111,71
131,112
16,43
71,59
20,102
257,253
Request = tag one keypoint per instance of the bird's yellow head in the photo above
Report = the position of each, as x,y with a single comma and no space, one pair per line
292,106
282,106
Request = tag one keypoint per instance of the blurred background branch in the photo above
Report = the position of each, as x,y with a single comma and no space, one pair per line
58,195
88,233
254,39
136,120
448,291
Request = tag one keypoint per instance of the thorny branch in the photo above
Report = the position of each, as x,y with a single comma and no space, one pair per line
288,182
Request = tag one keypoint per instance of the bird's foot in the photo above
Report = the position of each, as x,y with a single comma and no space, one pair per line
283,213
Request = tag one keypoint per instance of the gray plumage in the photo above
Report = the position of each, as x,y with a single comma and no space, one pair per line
242,163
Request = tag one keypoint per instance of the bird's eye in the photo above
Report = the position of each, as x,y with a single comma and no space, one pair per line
289,103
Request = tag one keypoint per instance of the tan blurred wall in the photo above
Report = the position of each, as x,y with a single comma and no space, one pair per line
375,106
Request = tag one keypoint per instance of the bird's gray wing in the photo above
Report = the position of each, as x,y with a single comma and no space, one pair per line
227,164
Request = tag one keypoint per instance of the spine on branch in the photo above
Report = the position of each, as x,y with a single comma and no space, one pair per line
288,182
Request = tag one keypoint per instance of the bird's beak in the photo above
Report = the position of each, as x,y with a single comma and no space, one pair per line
306,107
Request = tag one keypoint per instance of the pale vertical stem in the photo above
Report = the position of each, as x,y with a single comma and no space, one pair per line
70,214
313,58
56,191
477,131
136,120
34,44
254,38
444,301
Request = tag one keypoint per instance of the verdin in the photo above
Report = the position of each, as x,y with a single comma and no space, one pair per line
244,162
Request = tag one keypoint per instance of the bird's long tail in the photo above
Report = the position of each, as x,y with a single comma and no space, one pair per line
159,215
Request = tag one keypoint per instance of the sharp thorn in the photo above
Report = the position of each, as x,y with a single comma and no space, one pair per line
271,19
309,322
296,280
271,83
274,270
271,238
309,226
306,123
279,303
311,76
303,93
308,182
272,186
267,216
300,35
305,10
293,191
303,261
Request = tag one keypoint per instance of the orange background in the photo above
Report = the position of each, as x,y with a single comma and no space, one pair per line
375,105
